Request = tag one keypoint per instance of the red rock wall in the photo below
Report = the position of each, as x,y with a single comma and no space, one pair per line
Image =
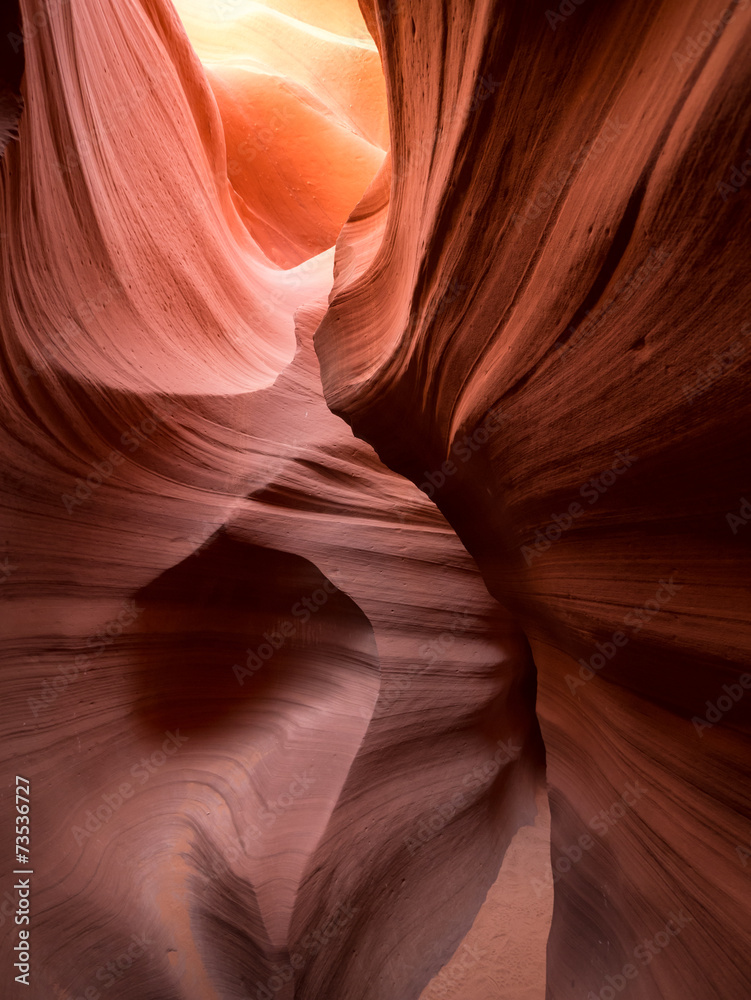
278,732
550,334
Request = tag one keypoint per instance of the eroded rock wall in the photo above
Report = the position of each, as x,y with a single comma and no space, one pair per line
278,734
543,321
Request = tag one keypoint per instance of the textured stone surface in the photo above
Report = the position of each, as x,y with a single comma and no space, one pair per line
502,956
558,248
266,705
272,673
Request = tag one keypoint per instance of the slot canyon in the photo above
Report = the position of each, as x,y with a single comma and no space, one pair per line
375,564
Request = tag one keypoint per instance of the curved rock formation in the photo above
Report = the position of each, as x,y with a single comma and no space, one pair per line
261,695
304,115
278,734
563,250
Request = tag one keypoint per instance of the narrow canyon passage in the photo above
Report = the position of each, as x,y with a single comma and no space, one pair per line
375,431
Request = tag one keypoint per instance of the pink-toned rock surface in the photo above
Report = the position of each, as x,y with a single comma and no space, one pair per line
293,792
277,732
276,705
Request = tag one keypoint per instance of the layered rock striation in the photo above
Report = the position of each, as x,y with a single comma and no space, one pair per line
541,318
314,553
277,733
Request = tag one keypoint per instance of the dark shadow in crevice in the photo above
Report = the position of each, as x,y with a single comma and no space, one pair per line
239,623
11,71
